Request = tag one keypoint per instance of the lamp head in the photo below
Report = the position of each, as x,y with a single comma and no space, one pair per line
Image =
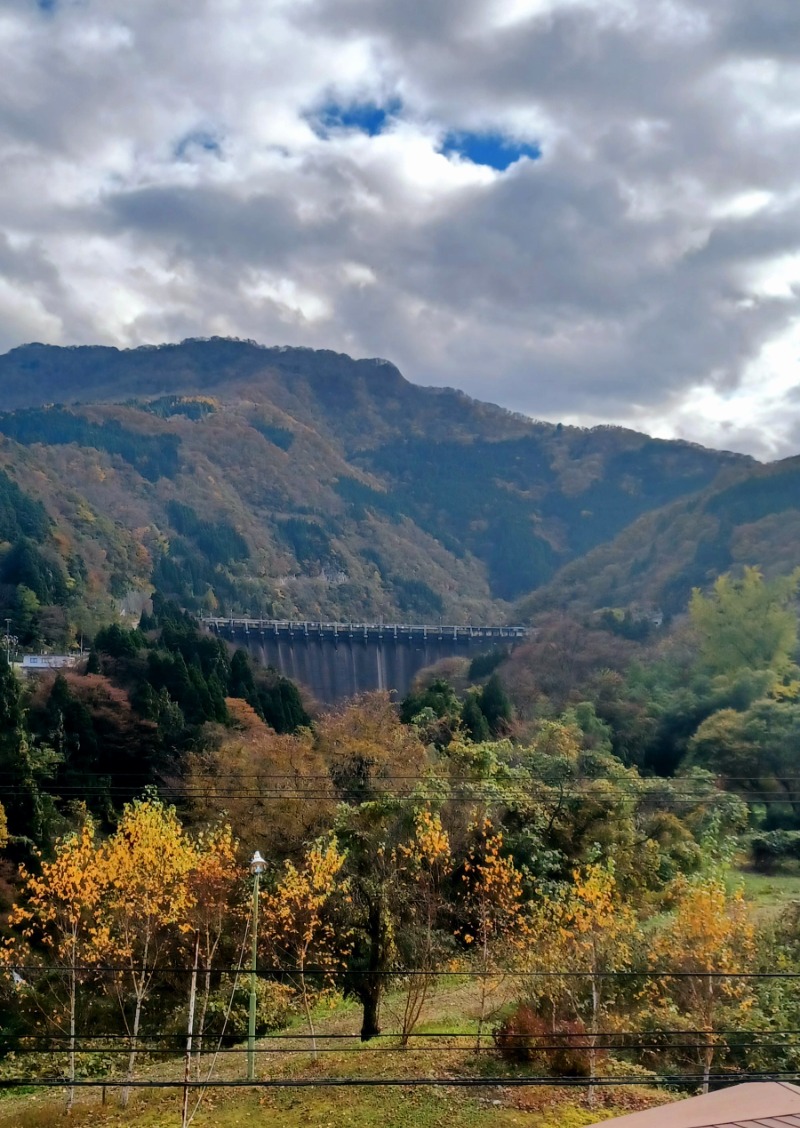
257,863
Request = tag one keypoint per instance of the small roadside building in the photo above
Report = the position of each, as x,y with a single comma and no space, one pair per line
756,1104
41,663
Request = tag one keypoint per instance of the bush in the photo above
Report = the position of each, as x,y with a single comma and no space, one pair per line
773,847
273,1008
524,1036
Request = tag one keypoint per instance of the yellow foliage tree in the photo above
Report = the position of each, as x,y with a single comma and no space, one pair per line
747,624
581,939
58,912
705,942
144,868
494,906
297,931
214,882
421,865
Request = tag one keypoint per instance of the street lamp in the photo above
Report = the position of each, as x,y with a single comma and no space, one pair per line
256,868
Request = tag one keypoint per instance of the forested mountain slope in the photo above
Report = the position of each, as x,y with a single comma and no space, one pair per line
290,482
751,517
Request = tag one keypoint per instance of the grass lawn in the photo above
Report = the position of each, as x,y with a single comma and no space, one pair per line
337,1108
769,893
451,1009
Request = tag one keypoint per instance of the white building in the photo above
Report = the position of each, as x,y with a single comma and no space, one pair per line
40,663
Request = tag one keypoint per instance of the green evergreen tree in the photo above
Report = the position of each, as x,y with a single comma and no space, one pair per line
282,706
496,706
241,682
118,642
20,767
473,720
43,573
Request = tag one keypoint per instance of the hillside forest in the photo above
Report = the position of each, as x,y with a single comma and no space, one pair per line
287,483
544,863
563,826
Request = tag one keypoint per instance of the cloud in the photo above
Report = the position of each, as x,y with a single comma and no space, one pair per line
583,210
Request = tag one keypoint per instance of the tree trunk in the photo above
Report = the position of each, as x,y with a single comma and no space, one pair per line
708,1058
73,991
202,1019
309,1019
189,1033
370,987
137,1015
484,970
593,1040
371,1002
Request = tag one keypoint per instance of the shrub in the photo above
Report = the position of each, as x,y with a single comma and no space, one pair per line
524,1036
273,1008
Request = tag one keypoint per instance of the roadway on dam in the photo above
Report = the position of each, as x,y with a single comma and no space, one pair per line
335,661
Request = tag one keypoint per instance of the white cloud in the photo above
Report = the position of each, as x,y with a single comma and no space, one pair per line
163,176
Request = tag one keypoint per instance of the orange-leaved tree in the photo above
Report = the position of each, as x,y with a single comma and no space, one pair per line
298,930
367,750
581,940
277,795
58,913
493,904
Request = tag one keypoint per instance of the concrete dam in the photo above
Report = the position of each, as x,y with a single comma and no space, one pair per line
337,660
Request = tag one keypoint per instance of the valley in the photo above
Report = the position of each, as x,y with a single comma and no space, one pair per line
384,723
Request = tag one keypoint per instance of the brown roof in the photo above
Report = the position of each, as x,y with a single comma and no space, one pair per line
758,1104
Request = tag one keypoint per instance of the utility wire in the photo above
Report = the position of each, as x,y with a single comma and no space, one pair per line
412,972
504,770
408,1082
638,1047
450,1034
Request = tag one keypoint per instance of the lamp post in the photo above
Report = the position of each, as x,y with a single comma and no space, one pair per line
256,868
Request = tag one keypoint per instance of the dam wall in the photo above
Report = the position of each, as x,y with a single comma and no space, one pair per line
335,661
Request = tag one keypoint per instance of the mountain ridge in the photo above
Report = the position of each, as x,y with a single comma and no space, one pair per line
302,483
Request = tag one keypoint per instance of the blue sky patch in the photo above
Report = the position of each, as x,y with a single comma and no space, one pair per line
46,5
492,149
197,139
367,117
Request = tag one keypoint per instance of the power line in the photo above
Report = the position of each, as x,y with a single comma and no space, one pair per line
434,796
451,1034
522,1039
419,777
501,1082
408,973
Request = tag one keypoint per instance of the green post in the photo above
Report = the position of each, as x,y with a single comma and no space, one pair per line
257,865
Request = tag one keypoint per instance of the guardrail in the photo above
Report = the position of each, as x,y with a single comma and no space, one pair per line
308,628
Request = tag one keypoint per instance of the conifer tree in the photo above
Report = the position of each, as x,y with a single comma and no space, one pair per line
21,767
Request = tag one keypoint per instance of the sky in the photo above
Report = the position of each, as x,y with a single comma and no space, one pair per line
584,210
